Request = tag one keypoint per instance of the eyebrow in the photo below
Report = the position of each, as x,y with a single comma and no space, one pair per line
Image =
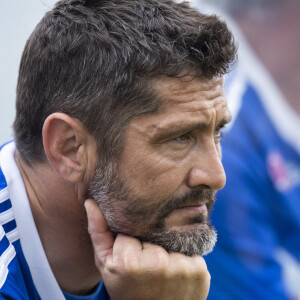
180,130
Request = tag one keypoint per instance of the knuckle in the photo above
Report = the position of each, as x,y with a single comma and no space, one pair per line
199,263
112,267
201,270
158,264
161,260
190,268
129,267
181,266
132,266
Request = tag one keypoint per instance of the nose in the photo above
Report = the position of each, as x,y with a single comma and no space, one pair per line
207,171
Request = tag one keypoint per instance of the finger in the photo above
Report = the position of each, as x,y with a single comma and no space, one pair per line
126,249
199,262
150,246
203,276
101,236
190,266
156,258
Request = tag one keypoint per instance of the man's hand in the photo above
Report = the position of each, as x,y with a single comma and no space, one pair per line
134,270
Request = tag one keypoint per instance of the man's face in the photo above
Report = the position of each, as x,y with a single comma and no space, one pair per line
164,185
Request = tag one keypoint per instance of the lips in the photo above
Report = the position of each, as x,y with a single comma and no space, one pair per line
194,208
195,202
193,205
188,214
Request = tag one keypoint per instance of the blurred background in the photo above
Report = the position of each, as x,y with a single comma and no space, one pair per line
257,214
17,20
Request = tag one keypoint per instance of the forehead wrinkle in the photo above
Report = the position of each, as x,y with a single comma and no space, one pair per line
207,99
205,106
177,87
149,126
217,113
188,97
197,86
172,124
181,98
178,83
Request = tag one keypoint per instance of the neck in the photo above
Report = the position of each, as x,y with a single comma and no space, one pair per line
61,222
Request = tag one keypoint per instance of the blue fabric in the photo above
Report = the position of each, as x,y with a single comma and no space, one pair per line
3,183
258,211
100,293
15,279
18,283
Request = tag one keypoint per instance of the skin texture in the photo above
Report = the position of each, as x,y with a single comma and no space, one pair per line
135,270
162,149
55,191
157,164
169,153
170,169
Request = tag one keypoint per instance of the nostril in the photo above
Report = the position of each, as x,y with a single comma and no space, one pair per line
202,187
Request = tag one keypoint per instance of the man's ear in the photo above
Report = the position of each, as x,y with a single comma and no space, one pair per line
68,146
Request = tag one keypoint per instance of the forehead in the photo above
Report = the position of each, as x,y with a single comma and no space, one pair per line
199,93
194,99
185,103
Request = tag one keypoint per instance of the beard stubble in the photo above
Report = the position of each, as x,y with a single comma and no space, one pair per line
144,218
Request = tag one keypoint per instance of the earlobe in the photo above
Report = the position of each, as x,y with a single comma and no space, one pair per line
66,143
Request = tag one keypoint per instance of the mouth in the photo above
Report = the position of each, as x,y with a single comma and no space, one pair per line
183,215
199,206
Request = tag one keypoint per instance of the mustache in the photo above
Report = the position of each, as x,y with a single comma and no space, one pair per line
193,197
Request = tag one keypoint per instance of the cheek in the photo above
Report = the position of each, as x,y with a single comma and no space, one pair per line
153,176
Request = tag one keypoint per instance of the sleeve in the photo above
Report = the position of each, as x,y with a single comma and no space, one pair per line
12,285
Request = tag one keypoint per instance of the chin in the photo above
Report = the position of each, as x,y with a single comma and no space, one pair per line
189,240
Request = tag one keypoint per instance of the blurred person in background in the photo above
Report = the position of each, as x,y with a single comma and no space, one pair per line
257,214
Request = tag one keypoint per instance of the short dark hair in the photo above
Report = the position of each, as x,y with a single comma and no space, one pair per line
94,60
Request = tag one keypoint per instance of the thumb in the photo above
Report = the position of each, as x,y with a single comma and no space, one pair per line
101,236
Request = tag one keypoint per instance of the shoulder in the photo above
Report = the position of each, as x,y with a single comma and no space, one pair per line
12,283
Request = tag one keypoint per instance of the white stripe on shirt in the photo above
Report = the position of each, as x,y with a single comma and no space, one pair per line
6,216
2,233
13,235
5,260
4,195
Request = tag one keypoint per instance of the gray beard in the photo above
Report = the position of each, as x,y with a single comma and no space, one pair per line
200,240
126,213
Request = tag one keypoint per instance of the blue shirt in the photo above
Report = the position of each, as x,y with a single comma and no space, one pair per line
257,214
24,270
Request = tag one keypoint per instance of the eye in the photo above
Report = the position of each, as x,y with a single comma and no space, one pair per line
182,138
218,132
